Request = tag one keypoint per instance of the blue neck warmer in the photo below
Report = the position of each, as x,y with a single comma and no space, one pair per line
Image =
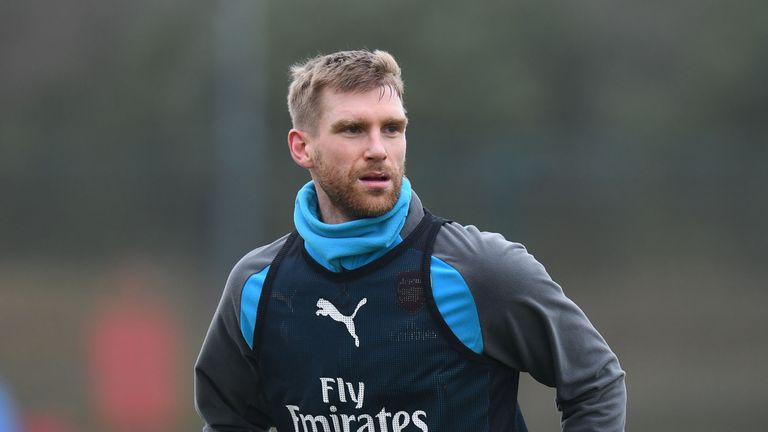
348,245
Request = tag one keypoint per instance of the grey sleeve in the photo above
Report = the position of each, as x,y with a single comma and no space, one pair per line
529,324
227,394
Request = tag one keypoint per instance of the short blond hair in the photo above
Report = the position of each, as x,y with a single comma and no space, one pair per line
345,71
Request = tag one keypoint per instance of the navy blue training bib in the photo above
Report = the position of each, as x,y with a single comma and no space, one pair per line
367,351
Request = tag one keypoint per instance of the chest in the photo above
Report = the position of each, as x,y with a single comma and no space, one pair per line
368,349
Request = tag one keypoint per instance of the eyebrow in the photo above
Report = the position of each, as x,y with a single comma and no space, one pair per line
397,121
343,124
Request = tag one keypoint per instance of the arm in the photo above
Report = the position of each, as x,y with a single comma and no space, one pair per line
226,379
529,324
227,392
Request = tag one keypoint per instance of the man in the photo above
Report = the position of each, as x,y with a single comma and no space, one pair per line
375,315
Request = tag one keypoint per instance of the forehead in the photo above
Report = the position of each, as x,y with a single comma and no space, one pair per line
377,103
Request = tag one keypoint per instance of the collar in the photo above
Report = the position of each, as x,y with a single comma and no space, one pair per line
349,245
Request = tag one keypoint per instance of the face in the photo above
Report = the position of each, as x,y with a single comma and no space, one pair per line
357,154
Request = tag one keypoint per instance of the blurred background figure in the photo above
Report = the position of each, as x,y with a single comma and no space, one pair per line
9,421
133,357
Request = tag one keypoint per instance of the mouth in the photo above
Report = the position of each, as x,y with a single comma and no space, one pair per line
376,180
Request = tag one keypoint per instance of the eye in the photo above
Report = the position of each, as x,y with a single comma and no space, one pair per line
352,129
392,129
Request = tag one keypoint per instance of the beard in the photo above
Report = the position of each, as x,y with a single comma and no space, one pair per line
351,198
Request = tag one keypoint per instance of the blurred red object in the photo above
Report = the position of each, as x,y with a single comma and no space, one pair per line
46,422
133,355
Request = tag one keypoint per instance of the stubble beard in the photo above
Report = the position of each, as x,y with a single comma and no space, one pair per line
347,196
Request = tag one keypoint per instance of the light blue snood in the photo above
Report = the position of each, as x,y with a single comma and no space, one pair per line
348,245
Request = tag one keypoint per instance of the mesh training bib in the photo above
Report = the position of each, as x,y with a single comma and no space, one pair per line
366,350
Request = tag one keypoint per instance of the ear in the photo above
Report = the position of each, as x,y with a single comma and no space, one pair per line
297,144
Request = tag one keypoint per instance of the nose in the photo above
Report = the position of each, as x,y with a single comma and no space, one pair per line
376,149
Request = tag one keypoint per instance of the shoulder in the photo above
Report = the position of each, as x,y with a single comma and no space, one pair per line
480,279
255,260
237,307
252,263
487,260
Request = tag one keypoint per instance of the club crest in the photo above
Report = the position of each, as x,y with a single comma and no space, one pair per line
410,291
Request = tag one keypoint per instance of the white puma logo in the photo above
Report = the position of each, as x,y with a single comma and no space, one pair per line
327,308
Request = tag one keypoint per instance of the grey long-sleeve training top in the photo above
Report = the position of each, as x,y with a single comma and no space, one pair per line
518,317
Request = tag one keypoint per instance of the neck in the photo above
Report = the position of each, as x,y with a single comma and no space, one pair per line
348,245
329,214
